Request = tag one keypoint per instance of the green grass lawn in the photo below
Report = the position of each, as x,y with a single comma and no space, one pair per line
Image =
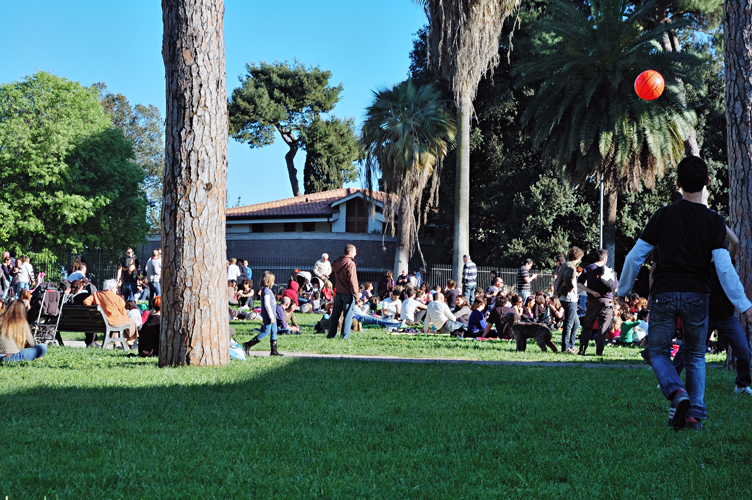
87,423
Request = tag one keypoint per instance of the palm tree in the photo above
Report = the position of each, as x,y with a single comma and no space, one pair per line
585,114
407,132
463,41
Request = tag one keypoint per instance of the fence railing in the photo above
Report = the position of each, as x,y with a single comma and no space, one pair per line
102,265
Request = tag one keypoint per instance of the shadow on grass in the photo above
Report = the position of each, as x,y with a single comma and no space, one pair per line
103,425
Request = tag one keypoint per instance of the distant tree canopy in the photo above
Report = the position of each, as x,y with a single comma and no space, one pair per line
67,177
143,126
289,98
520,206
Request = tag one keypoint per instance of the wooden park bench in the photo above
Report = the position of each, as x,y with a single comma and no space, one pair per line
91,319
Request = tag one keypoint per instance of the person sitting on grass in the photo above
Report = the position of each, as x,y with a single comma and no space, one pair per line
462,310
362,314
285,314
148,343
390,306
496,318
246,294
413,310
134,313
16,341
440,317
114,310
527,309
476,323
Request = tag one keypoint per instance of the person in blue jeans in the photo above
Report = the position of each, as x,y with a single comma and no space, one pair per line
566,289
15,335
268,316
692,239
721,319
347,291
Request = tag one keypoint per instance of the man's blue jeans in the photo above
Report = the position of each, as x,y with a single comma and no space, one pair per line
28,354
468,291
524,294
692,308
731,332
571,325
342,305
370,320
18,286
129,288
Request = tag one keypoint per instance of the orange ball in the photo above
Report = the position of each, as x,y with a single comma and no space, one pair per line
649,85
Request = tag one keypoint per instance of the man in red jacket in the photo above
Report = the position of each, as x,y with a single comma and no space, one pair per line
347,290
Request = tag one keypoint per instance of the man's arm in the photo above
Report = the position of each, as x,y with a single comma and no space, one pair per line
89,300
449,314
731,283
632,264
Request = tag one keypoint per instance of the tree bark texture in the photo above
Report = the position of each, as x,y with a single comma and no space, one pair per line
462,188
737,30
401,254
194,326
609,224
291,170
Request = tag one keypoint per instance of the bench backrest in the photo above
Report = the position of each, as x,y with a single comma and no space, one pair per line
87,319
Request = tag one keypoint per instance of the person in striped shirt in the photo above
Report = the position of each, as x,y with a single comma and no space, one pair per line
469,278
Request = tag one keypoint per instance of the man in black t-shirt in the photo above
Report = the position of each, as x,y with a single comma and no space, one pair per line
600,302
692,238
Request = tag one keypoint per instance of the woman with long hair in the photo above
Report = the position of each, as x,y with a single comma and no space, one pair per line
268,316
15,336
386,285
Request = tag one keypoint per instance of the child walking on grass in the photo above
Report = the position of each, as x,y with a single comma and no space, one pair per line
268,316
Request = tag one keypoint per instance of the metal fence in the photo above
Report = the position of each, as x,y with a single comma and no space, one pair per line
101,265
439,274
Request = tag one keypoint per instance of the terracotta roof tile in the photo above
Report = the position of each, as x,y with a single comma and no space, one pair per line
308,205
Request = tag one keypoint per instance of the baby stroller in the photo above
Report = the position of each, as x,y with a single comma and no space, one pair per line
44,314
304,280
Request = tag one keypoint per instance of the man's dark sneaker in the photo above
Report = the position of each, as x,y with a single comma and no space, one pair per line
693,424
677,411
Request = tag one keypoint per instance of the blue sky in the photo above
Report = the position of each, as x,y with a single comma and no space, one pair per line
365,44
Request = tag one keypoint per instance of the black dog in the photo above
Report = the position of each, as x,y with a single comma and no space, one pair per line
524,331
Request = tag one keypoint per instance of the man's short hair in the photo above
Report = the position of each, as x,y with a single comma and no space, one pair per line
349,249
575,254
692,173
324,255
602,254
109,285
560,259
285,300
529,261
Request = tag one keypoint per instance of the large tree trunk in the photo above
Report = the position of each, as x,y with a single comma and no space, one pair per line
194,326
462,188
291,170
402,252
737,30
609,225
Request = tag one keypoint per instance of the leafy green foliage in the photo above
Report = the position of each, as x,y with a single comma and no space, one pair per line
407,132
289,98
68,180
143,126
331,151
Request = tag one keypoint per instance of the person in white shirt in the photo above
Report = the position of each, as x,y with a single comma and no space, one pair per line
154,273
233,271
440,317
362,314
390,307
413,311
323,268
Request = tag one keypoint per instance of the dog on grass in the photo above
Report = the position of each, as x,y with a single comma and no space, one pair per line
524,331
